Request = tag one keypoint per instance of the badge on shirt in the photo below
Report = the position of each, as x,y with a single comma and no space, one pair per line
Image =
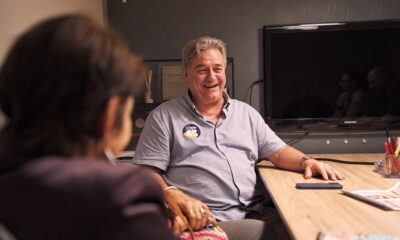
191,131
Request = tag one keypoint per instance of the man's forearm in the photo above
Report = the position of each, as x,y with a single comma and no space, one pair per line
288,158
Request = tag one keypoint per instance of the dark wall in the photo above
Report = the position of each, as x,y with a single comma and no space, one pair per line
158,29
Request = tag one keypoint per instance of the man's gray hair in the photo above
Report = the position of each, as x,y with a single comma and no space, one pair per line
195,46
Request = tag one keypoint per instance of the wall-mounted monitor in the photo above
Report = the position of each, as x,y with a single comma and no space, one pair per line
329,76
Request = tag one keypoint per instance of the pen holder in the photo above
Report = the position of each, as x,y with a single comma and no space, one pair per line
392,166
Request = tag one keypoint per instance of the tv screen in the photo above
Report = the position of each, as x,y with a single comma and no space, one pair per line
332,75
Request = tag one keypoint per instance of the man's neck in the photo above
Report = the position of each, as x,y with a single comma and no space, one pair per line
211,111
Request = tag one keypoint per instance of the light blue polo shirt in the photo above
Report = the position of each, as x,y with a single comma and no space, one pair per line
214,163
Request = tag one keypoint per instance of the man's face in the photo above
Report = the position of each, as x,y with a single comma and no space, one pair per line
346,82
376,83
205,76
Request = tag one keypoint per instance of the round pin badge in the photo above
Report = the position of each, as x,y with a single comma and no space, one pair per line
191,131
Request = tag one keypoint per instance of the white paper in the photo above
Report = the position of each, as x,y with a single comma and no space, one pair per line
387,199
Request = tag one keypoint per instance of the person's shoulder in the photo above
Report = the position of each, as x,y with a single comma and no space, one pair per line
105,172
112,195
238,103
91,175
242,107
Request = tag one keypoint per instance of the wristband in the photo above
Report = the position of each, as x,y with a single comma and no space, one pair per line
304,158
170,187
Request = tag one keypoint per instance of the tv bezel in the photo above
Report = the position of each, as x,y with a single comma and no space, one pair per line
299,123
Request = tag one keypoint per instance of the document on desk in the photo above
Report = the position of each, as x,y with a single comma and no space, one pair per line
388,199
354,236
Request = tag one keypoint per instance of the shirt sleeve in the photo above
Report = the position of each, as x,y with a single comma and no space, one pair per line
268,142
153,148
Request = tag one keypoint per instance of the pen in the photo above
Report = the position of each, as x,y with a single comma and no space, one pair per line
389,152
387,148
397,152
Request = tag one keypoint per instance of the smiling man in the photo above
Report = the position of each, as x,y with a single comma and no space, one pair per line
204,146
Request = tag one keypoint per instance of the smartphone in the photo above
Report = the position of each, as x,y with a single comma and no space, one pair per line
329,185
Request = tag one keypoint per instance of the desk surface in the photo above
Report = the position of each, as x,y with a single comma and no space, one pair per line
308,212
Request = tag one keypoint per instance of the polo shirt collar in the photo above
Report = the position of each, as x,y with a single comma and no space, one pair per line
190,103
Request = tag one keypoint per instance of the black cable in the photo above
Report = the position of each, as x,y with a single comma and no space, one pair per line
295,140
344,161
251,88
332,160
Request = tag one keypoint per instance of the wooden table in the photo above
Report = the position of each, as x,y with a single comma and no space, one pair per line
308,212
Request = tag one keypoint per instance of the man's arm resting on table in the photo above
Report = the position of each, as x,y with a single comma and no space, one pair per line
289,158
187,212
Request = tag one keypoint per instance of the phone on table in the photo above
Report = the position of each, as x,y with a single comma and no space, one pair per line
329,185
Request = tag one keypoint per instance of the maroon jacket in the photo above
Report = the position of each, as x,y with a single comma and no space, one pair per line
60,198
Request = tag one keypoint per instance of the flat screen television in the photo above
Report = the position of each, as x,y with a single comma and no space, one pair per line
330,76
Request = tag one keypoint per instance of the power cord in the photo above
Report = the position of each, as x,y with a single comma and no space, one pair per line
344,161
332,160
295,140
251,88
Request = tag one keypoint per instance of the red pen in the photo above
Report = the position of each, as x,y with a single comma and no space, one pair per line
392,144
389,152
388,149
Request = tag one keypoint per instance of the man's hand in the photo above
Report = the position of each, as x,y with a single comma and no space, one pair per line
313,168
187,212
290,158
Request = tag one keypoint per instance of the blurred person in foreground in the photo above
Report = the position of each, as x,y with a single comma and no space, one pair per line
66,88
203,148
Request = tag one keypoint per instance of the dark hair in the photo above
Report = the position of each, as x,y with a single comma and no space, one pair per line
56,81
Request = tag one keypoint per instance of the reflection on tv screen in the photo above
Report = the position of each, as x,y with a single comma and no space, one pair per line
335,76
